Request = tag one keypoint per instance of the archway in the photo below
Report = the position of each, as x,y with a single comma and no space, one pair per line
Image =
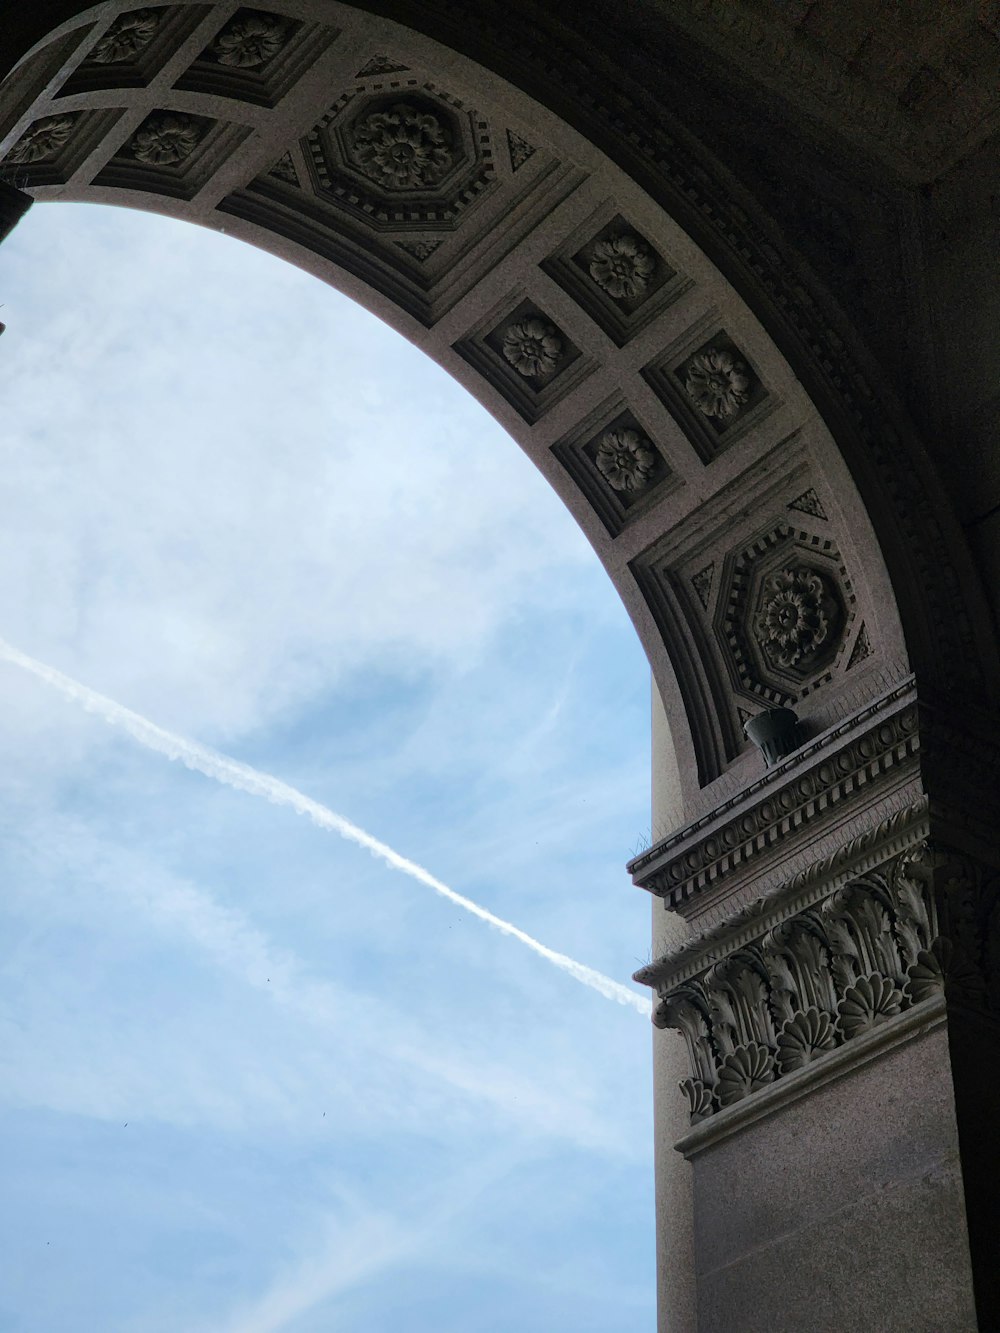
302,1041
760,506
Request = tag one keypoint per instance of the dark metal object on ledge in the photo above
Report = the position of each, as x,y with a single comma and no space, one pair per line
775,732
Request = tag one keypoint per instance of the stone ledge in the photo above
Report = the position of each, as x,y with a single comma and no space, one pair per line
915,1022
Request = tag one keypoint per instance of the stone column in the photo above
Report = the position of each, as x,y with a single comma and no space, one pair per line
838,995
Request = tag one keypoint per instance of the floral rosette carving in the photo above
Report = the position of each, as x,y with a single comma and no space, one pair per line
625,459
249,41
797,616
127,36
622,266
871,1000
804,1037
403,148
718,382
743,1072
166,139
533,347
42,140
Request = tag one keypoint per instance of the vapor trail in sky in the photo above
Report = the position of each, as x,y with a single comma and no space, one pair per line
242,777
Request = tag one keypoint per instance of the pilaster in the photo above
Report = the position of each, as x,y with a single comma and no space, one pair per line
838,994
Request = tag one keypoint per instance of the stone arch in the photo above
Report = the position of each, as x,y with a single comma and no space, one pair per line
562,239
598,325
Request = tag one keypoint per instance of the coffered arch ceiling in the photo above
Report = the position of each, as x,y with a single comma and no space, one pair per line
767,523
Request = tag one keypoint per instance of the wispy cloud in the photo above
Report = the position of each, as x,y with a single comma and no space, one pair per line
242,777
359,1242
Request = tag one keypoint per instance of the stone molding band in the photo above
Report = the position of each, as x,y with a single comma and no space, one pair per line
791,796
923,925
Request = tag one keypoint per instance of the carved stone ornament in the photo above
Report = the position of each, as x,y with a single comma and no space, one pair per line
622,266
718,383
626,460
284,169
403,148
42,140
797,618
126,37
533,347
520,150
922,925
166,139
250,40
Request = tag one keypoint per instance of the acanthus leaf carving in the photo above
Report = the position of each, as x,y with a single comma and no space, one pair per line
804,1037
869,1001
919,927
699,1099
744,1071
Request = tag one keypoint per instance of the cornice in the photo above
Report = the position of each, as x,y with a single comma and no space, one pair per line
818,782
904,829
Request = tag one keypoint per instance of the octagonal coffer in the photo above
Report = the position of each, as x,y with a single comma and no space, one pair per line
405,159
784,614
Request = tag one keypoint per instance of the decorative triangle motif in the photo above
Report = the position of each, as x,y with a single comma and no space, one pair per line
520,150
808,503
284,169
744,716
703,584
380,65
862,648
420,250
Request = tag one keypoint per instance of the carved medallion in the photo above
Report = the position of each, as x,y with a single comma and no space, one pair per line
250,40
126,37
166,139
533,347
718,383
402,147
622,266
784,616
626,460
42,140
797,617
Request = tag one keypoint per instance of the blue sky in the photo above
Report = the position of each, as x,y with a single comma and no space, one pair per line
254,1080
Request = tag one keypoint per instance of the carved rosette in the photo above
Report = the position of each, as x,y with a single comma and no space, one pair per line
402,148
798,617
622,266
166,139
718,383
250,40
533,347
126,37
42,140
922,926
626,460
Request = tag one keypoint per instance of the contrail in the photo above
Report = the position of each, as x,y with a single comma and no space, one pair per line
231,773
